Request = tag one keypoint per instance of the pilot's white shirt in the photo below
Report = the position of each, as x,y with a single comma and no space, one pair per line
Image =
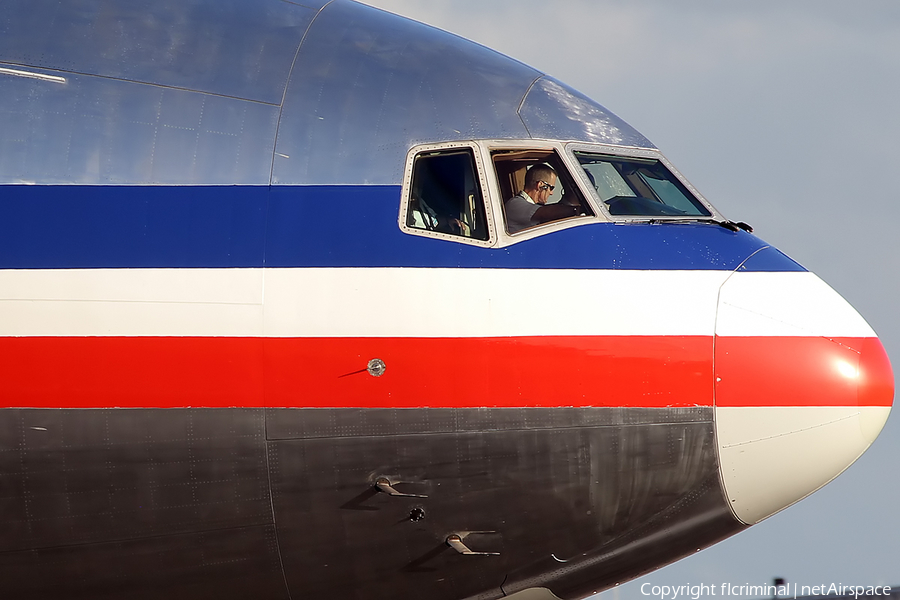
519,212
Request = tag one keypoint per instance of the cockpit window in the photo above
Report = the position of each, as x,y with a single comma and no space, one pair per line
536,188
446,196
639,187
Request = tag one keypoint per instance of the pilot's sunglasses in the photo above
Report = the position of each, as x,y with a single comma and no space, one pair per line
547,186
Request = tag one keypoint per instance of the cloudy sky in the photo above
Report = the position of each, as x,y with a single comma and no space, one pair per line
785,114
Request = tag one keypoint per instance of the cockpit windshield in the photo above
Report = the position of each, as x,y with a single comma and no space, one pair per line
632,186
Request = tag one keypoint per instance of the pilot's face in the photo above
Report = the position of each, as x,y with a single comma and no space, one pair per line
545,188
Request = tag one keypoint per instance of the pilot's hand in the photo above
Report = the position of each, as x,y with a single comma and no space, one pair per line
461,227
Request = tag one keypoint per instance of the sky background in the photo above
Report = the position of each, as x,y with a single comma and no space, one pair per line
784,114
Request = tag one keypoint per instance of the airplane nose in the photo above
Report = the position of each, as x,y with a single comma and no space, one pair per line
803,388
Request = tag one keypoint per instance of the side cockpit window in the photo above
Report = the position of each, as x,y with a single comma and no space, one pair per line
536,188
446,195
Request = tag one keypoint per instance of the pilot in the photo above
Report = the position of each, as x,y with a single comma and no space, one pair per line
529,207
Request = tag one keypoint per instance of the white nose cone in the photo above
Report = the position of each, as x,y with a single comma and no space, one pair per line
803,387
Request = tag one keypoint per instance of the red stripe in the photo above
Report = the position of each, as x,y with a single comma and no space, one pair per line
96,372
629,371
802,371
87,372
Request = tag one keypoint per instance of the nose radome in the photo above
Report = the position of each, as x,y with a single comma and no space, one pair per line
803,387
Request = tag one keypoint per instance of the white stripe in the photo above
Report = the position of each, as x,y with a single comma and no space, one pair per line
131,302
785,304
397,302
351,302
489,302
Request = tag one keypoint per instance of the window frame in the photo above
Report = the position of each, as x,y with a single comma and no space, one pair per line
486,193
493,203
489,147
628,152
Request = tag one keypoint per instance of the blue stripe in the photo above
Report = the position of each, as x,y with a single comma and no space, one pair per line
44,227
